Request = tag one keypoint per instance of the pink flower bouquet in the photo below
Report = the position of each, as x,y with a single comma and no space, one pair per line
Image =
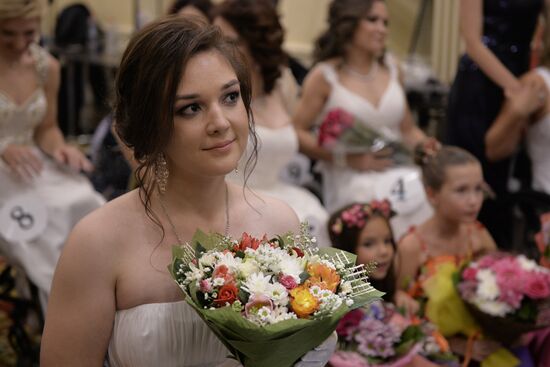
507,295
342,131
380,336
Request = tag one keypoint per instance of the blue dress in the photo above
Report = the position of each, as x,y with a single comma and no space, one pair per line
475,101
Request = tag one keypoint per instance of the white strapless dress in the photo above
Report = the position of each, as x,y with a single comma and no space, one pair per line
65,195
538,145
276,149
164,334
402,184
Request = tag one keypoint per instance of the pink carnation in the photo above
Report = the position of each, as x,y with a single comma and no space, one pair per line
288,281
486,262
510,297
349,323
469,273
537,286
205,286
509,274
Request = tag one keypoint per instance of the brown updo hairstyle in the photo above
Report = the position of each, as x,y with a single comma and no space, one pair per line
257,23
347,239
205,6
434,167
344,17
146,86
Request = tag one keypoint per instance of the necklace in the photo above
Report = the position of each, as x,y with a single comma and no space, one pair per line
369,76
180,241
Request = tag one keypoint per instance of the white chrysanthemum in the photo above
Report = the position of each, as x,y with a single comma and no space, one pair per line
526,264
278,294
494,308
281,314
229,260
207,259
248,267
257,283
290,265
487,288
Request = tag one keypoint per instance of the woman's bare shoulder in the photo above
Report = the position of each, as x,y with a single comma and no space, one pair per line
111,223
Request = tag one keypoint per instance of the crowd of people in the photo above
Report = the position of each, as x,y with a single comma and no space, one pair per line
209,110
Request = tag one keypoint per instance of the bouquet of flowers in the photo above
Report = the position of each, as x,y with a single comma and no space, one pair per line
283,295
507,295
381,336
543,240
343,132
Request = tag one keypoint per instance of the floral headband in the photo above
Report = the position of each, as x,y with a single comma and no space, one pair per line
358,214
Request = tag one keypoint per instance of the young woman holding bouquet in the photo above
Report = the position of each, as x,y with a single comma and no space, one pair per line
430,253
354,73
364,229
183,106
254,26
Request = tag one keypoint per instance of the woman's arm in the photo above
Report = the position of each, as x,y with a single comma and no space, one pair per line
48,136
471,29
506,132
82,306
315,92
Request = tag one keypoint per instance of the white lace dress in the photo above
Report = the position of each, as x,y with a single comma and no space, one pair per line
276,149
402,184
538,145
164,334
66,196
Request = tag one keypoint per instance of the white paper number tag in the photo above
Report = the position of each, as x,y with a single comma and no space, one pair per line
403,188
23,218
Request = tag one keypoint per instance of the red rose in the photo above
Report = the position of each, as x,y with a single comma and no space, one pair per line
469,274
227,294
288,281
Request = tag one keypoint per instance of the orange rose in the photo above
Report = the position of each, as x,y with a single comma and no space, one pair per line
227,294
302,302
323,277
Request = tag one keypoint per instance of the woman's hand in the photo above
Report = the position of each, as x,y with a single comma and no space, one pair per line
406,302
377,161
22,161
527,99
72,157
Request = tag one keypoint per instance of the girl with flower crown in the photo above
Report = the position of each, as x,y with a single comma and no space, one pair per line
364,229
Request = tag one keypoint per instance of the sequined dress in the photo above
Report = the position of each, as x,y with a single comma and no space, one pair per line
66,196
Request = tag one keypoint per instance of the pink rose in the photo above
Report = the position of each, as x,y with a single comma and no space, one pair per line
205,286
537,286
288,281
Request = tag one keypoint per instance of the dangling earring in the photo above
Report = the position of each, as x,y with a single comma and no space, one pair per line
161,173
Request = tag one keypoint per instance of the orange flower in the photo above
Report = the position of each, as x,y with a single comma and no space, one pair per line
302,302
323,277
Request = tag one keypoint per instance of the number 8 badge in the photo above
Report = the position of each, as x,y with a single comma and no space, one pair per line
23,218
